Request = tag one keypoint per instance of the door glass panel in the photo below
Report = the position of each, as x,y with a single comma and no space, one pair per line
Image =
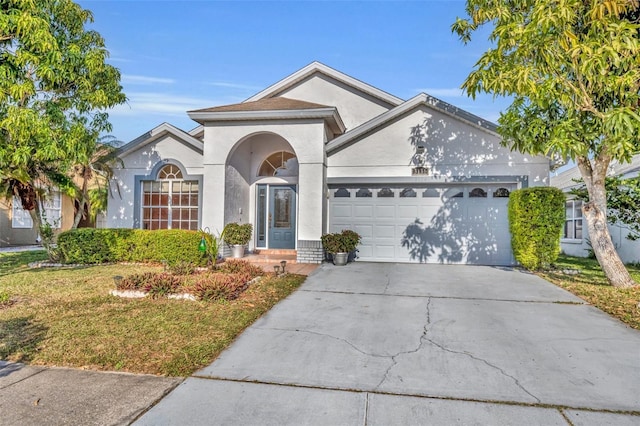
281,210
262,214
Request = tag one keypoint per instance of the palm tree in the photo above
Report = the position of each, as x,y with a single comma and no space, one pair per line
97,160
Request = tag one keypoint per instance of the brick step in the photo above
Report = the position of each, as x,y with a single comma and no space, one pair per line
271,258
269,252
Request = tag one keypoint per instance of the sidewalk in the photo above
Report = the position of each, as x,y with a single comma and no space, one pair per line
53,396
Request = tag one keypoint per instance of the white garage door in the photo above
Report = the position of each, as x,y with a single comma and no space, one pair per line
453,224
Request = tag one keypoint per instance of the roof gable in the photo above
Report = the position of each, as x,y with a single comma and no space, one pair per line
417,101
157,133
317,67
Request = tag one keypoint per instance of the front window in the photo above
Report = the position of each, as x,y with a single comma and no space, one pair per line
51,210
170,202
573,220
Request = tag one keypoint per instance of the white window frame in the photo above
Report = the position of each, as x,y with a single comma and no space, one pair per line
51,210
574,206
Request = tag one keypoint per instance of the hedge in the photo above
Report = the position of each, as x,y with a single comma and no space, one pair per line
536,219
90,246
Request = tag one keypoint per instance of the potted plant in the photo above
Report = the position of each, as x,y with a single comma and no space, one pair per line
237,235
340,245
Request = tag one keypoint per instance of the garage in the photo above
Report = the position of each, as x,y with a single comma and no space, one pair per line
426,223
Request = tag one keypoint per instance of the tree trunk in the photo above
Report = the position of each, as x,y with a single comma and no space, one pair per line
79,214
594,173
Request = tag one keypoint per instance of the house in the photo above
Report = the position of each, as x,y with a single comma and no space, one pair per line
575,238
320,151
16,226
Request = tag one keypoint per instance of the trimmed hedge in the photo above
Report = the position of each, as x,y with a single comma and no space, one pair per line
536,219
90,246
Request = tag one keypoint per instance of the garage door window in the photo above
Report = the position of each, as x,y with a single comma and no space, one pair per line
453,193
363,193
431,193
342,193
408,193
501,193
386,193
478,193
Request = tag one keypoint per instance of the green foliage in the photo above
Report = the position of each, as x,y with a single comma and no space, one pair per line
623,201
89,246
536,218
217,286
55,87
343,242
237,233
183,268
239,266
5,298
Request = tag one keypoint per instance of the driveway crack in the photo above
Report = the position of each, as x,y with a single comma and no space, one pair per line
421,342
484,361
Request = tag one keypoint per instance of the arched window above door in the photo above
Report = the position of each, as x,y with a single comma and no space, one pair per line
281,163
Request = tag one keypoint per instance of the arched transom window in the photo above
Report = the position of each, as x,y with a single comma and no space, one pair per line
281,163
170,202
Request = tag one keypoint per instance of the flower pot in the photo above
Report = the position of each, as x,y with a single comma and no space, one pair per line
340,259
237,251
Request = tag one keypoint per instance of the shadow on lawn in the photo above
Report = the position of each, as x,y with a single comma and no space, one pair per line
19,337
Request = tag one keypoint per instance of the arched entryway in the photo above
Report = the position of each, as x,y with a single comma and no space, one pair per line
262,180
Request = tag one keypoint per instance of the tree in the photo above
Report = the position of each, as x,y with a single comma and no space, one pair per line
94,171
623,200
55,88
573,70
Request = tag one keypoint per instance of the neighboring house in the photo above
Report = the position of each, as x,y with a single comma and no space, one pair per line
575,239
318,152
16,226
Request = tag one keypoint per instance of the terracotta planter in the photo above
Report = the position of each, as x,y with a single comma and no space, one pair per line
237,251
340,259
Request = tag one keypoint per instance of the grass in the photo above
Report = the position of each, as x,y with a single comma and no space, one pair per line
592,286
65,317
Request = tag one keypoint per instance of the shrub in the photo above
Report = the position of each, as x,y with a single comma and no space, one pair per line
5,299
183,268
217,286
163,283
237,234
238,266
343,242
136,281
536,219
89,246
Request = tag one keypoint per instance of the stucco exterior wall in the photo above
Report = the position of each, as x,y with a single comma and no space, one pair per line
10,236
243,146
353,106
120,210
629,251
454,148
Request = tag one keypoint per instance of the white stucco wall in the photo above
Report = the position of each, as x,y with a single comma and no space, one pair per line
120,211
629,251
354,107
240,148
454,148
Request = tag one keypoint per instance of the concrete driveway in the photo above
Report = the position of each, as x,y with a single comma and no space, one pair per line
381,344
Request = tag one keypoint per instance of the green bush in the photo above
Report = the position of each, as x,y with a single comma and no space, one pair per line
536,219
237,233
90,246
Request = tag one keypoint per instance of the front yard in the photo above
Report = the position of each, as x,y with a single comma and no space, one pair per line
66,317
591,285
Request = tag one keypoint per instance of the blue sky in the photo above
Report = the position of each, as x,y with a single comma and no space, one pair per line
180,55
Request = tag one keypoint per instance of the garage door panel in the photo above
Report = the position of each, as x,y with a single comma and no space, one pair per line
342,211
385,212
408,212
363,211
365,231
385,252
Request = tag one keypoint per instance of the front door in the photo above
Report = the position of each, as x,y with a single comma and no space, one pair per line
281,221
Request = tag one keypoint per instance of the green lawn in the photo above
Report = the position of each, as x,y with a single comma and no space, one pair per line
591,285
65,317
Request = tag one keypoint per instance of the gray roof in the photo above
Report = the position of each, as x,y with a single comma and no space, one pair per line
565,179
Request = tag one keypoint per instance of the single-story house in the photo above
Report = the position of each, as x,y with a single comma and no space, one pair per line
320,151
575,239
16,226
